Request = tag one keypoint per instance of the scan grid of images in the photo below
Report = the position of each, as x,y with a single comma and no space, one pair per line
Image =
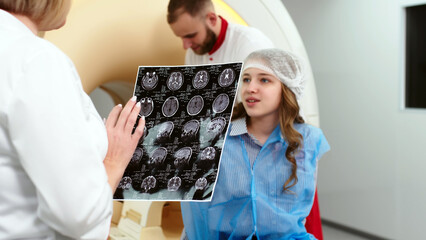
187,111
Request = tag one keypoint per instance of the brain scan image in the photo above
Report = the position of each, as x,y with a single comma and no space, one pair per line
158,156
201,79
170,106
209,153
137,155
149,81
165,130
147,105
174,184
148,183
175,81
216,125
201,183
190,128
220,103
195,105
227,77
182,156
125,183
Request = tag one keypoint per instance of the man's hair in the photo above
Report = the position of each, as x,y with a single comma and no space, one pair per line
42,12
192,7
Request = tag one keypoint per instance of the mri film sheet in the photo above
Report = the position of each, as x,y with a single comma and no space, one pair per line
187,111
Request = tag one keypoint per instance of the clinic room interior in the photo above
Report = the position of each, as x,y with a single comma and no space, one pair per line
366,62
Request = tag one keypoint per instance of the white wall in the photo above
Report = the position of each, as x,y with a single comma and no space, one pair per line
374,177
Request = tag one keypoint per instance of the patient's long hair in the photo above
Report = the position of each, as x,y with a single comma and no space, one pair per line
288,115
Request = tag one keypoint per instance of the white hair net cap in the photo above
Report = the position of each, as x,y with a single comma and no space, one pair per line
288,68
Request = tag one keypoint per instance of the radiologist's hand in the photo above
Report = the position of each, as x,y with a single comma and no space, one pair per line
121,142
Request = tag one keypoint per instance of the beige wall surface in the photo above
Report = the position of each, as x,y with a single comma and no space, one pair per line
107,39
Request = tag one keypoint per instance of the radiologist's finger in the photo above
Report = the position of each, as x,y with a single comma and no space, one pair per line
131,121
113,116
124,115
139,129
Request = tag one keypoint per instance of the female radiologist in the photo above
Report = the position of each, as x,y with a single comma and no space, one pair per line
267,176
59,163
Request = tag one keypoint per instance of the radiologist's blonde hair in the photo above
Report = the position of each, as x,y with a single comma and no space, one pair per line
45,13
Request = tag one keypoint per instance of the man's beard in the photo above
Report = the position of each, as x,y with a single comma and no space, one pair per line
208,44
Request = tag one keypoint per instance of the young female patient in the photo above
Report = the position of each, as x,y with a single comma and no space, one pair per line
267,175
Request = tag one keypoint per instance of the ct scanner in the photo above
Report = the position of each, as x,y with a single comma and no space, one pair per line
107,40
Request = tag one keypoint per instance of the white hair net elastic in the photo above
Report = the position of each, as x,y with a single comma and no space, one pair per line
288,68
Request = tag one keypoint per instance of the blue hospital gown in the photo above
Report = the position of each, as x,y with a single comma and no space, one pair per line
249,200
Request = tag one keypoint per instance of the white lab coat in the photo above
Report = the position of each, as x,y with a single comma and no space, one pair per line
53,184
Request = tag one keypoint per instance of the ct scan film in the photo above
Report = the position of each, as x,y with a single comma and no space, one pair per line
187,111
